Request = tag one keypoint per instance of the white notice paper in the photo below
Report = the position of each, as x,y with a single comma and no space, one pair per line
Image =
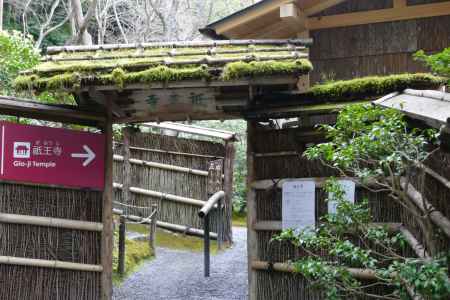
298,210
349,188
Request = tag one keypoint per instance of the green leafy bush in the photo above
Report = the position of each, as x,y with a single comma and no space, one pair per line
16,54
373,144
439,62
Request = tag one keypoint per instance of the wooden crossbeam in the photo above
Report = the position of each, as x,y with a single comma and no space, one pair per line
100,98
400,3
398,13
320,5
56,113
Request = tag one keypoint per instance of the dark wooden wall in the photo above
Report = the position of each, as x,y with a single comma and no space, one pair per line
375,49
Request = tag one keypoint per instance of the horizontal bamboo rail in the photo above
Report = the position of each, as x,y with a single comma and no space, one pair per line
162,166
277,226
212,201
137,219
163,196
50,222
208,60
185,229
52,264
435,215
165,225
275,154
444,181
172,152
193,130
269,183
418,248
364,274
174,53
189,44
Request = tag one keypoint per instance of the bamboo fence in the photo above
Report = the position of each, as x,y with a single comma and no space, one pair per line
174,177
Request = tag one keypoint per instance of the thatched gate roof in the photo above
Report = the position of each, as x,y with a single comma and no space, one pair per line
169,81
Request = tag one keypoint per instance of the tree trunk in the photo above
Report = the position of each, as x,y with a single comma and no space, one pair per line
82,36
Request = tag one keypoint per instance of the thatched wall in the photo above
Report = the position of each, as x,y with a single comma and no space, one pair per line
439,197
265,205
167,181
20,282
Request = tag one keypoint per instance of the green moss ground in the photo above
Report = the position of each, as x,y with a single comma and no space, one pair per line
136,253
175,241
239,219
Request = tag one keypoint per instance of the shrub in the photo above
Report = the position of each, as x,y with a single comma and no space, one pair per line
16,54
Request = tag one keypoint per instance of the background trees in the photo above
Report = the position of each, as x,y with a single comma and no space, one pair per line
58,22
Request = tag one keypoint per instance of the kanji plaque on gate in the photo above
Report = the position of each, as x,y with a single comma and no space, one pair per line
54,156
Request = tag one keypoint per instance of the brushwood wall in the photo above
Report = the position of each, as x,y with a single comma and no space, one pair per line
275,154
378,48
173,151
52,244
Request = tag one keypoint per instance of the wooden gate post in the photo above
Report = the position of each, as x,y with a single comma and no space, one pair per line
126,169
215,184
107,236
206,244
153,228
252,244
122,233
230,153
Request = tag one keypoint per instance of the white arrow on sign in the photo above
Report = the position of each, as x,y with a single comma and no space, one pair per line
89,155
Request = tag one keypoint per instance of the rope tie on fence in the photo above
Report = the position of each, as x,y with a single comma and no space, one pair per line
187,229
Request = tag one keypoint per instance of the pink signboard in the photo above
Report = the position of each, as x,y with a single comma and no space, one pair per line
54,156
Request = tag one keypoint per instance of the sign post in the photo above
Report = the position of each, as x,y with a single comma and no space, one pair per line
53,156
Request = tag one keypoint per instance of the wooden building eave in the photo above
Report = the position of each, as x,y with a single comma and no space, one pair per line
269,20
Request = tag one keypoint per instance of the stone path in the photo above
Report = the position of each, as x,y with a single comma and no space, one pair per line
178,275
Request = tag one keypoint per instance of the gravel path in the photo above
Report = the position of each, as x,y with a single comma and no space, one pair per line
178,275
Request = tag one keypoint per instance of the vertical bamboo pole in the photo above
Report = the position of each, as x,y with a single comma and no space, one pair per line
206,244
230,153
153,228
107,236
252,243
122,232
126,171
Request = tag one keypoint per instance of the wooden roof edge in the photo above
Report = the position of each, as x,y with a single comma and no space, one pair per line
191,44
26,108
429,119
432,94
196,130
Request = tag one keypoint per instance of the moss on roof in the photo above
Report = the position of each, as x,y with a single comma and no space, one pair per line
121,77
373,86
121,67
